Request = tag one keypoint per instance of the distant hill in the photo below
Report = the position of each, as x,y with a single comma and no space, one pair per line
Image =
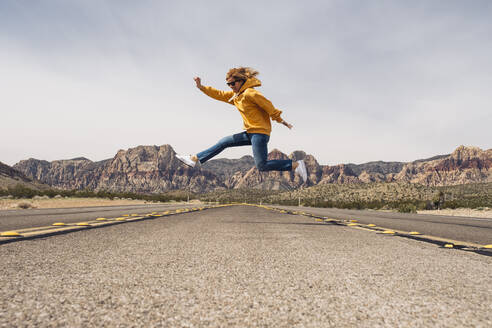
10,177
225,168
154,169
376,167
464,165
144,169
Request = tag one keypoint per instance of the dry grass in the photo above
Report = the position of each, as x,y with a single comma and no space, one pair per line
10,204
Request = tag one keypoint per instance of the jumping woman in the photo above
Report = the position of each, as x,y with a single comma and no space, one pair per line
256,111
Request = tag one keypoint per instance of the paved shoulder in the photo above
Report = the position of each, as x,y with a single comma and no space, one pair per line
20,219
473,230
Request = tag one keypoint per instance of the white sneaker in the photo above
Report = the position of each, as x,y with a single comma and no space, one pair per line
186,159
301,170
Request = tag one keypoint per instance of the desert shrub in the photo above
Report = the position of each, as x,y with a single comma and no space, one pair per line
407,208
429,205
49,193
85,193
24,205
359,205
326,203
466,203
103,194
452,204
374,204
20,191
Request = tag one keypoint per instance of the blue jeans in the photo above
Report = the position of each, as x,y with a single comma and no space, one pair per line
259,142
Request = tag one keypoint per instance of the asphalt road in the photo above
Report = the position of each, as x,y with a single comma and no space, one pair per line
474,230
30,218
240,266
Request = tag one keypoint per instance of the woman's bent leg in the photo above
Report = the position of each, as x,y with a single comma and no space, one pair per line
239,139
260,153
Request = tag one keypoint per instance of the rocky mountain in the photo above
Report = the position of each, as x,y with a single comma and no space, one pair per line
154,169
464,165
376,167
10,177
64,174
146,169
225,168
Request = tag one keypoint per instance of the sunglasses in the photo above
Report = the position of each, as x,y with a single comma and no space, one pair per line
232,83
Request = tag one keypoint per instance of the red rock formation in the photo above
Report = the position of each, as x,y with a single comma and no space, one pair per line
154,169
147,169
338,174
10,177
464,165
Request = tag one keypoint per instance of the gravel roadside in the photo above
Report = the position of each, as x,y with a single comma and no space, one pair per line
240,266
464,212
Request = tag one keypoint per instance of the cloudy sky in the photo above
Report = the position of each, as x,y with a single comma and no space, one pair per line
359,80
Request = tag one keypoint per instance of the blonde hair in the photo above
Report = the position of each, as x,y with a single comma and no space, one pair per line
241,73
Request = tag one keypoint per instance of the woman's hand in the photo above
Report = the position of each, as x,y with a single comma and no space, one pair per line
290,126
198,82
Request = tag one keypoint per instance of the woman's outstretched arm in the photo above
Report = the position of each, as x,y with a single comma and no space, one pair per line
212,92
290,126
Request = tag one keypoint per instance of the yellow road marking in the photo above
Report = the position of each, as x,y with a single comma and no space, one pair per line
26,233
415,234
10,234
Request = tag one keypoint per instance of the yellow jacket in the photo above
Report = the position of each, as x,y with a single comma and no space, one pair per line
255,109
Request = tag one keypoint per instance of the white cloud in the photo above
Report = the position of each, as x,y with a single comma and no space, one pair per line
359,80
